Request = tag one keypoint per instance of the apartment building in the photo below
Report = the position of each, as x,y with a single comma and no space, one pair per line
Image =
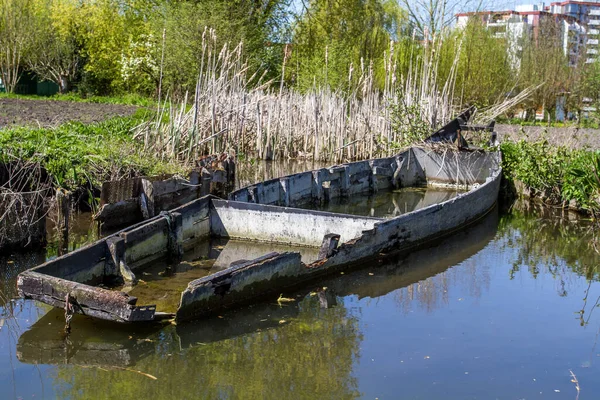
579,23
587,13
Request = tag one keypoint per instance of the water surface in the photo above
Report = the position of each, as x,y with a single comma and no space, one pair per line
388,203
505,309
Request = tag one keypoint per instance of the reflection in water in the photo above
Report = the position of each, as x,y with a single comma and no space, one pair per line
300,358
492,311
82,230
388,204
306,348
424,276
12,265
161,283
544,240
94,342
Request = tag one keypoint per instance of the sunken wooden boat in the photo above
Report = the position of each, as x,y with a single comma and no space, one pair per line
269,212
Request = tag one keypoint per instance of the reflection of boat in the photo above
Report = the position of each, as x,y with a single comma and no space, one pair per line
96,342
406,269
264,213
390,274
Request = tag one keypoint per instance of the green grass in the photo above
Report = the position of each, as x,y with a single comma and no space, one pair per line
126,99
78,155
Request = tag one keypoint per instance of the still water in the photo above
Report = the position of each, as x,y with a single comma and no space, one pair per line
505,309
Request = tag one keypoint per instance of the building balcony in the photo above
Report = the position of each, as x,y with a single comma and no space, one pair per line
592,51
592,41
593,32
594,22
594,12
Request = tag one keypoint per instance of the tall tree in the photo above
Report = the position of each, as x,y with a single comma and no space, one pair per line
545,63
16,18
334,37
484,63
56,49
431,16
257,24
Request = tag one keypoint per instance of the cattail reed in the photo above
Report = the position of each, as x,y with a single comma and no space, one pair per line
236,110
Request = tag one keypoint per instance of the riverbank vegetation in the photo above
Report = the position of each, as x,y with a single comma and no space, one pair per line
79,155
555,175
276,80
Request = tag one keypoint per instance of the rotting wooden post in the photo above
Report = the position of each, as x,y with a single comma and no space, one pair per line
344,182
64,210
175,240
116,248
230,168
194,179
329,245
396,180
147,199
327,298
253,195
219,183
285,186
206,177
317,190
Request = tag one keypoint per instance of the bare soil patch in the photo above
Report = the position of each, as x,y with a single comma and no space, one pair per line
49,113
571,137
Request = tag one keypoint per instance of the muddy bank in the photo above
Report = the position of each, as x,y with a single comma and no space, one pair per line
50,113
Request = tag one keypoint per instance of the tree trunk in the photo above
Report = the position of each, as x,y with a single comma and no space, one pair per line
63,84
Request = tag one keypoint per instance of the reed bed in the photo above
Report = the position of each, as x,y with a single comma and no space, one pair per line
233,109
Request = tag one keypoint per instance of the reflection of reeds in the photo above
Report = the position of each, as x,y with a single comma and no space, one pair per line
235,110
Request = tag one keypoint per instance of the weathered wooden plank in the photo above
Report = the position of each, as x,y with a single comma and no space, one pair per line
120,213
169,186
89,300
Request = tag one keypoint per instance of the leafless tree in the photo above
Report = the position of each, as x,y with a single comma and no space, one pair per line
430,16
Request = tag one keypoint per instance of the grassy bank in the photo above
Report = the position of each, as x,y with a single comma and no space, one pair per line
125,99
556,175
78,155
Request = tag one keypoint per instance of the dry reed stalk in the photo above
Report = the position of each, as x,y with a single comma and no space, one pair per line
235,111
24,187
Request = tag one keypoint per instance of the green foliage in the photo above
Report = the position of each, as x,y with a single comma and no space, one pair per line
77,155
132,99
557,174
186,26
55,51
538,165
332,37
484,63
407,122
582,181
15,39
543,62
